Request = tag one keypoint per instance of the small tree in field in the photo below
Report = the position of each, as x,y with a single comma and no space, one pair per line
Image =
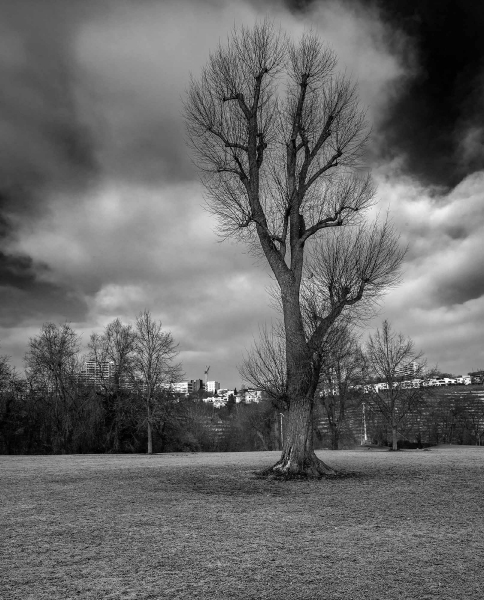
278,136
388,353
153,367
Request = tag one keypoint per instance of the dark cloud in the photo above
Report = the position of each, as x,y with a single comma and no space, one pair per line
44,146
444,104
436,121
17,271
44,149
461,287
459,231
26,296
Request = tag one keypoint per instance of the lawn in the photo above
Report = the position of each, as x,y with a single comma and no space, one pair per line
409,525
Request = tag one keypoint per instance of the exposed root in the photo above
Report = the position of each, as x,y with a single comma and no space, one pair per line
311,469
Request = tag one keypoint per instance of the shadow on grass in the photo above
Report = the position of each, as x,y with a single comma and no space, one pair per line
252,483
270,475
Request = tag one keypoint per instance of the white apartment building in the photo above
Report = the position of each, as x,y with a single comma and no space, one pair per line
97,372
217,401
410,369
212,386
188,386
248,396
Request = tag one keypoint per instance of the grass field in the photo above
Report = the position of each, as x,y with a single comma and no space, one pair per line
410,525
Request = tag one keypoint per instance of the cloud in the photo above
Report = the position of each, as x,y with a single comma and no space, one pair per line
100,203
121,249
136,60
135,63
441,300
100,208
471,147
435,118
43,144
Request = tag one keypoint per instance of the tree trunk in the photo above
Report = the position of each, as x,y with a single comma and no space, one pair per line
393,418
262,441
298,458
150,435
334,436
394,437
277,433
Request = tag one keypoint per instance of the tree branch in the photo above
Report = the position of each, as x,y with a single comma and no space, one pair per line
241,101
332,162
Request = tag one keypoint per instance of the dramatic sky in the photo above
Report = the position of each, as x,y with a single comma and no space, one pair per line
101,211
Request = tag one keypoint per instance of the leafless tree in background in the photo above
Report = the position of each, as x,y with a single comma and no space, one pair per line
153,366
114,347
264,365
343,369
8,374
279,135
52,365
387,353
10,389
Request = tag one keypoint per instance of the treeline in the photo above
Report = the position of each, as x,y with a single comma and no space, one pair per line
123,403
444,416
59,408
96,420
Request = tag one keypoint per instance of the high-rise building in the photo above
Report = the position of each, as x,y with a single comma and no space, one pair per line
97,372
188,386
408,370
212,386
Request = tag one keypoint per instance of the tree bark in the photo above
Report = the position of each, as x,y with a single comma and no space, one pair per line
150,434
298,459
394,437
334,436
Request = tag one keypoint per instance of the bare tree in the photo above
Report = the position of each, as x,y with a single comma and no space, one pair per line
115,347
113,355
342,368
264,366
278,135
475,420
342,371
10,387
388,353
153,366
52,362
8,374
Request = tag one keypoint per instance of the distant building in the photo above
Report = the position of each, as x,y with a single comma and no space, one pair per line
409,370
97,372
217,401
212,386
188,386
197,385
247,396
225,393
